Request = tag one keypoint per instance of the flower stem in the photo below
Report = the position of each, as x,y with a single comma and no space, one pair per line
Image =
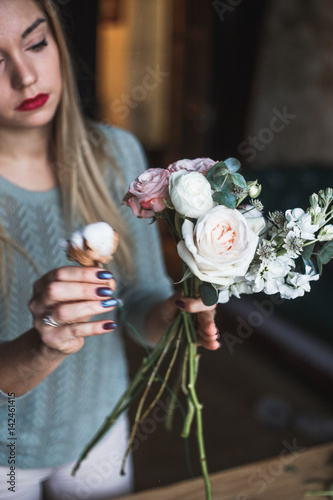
137,385
138,418
193,370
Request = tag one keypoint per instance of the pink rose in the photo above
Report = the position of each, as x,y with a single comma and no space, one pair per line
201,165
147,193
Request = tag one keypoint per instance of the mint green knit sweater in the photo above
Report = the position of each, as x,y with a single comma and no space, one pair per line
56,419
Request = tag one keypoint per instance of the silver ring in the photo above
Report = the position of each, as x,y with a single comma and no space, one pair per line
49,321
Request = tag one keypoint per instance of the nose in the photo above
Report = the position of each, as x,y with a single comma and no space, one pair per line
23,73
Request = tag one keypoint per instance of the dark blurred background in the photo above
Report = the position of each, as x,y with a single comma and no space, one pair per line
251,79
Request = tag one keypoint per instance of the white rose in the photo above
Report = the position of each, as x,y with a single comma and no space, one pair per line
219,247
190,193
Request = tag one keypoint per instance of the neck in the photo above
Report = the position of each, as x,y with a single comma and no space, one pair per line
24,143
25,158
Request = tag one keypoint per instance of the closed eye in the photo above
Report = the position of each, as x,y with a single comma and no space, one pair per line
39,46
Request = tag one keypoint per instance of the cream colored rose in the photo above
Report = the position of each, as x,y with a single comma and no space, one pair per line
190,193
219,247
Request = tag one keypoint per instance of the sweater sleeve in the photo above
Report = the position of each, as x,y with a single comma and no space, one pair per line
151,283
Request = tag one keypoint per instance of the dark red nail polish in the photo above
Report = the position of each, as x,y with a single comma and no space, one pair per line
109,326
180,304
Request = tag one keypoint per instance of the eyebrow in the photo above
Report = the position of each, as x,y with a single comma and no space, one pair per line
33,27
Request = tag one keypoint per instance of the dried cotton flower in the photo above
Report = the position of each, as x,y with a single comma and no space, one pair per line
93,245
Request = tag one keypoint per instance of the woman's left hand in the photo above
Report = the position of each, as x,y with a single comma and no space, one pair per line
208,333
165,312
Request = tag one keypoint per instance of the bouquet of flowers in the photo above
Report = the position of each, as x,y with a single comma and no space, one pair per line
228,248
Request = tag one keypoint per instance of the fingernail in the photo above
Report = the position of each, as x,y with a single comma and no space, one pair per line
220,345
109,326
104,275
104,292
110,303
180,304
217,336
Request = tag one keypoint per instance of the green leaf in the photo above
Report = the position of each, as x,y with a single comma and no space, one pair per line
232,164
227,199
326,252
239,180
307,252
217,176
186,276
209,294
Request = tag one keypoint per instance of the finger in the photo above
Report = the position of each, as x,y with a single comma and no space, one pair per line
208,337
78,330
211,345
61,291
206,322
193,305
65,338
80,274
76,312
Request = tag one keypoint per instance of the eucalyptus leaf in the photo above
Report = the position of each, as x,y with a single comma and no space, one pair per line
326,252
233,164
227,199
307,251
209,294
217,176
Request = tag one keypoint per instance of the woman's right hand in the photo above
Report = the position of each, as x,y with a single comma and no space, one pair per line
72,295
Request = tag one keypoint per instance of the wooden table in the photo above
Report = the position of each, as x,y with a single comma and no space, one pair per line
285,477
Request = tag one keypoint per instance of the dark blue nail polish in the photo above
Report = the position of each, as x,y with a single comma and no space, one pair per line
104,275
104,292
180,304
109,326
110,303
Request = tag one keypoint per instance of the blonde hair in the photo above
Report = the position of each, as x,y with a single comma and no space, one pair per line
78,158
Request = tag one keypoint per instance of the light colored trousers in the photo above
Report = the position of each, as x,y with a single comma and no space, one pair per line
97,479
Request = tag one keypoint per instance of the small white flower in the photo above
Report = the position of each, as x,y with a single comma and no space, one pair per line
238,288
297,284
293,244
278,219
303,221
266,251
257,205
239,192
269,276
326,233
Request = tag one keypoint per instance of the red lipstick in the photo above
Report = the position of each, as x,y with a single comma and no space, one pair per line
35,103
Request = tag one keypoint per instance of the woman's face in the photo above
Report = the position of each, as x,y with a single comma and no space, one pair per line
30,74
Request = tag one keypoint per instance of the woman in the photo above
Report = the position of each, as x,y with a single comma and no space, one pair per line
60,372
